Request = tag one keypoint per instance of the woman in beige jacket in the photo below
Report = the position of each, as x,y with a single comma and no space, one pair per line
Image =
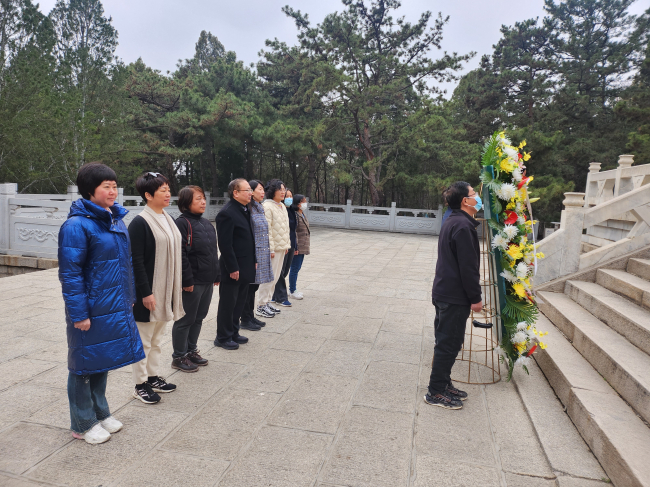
279,240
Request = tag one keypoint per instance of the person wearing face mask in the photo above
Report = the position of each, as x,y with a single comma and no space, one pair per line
456,291
302,240
280,295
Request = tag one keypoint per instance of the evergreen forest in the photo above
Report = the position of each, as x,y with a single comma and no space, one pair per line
351,109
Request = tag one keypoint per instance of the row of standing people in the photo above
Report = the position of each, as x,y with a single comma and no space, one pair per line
122,286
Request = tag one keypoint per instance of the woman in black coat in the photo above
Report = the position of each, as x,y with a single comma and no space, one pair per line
200,275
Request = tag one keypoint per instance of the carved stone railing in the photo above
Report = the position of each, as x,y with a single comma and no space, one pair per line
392,219
613,217
29,223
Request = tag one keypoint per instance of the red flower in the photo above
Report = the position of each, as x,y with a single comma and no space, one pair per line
522,182
531,351
512,217
520,156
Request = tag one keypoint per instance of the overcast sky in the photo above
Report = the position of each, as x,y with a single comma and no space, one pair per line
163,31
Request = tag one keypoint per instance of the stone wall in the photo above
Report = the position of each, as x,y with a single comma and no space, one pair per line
12,265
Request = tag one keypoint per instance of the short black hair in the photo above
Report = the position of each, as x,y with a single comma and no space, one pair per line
91,176
149,182
271,187
234,185
297,199
455,194
186,197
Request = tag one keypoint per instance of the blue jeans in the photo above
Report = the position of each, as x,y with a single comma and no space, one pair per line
87,396
296,265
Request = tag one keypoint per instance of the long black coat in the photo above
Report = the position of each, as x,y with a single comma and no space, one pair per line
200,258
236,242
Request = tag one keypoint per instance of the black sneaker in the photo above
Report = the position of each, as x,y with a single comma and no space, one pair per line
240,339
456,393
196,358
258,322
444,401
159,384
145,393
275,309
184,364
250,326
229,345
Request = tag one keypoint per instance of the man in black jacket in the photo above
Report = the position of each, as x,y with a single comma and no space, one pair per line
456,291
237,263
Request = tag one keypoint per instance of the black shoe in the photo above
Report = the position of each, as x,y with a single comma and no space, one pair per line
250,326
240,339
184,364
159,384
145,393
229,345
258,322
195,358
456,393
444,401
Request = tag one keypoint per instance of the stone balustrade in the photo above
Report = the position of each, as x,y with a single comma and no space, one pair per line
29,223
612,218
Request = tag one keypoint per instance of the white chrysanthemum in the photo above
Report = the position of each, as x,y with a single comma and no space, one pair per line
507,191
504,141
512,153
516,175
529,258
499,241
522,325
508,276
519,337
521,220
522,270
523,362
531,333
510,231
518,207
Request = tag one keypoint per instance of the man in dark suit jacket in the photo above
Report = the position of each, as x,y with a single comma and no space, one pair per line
237,263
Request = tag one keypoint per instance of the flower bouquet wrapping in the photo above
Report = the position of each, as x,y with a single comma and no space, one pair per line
511,228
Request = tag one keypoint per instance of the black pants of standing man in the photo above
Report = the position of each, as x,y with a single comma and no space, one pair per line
232,297
450,323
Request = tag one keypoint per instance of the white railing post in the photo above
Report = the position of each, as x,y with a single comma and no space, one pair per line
572,222
7,190
591,191
391,216
120,196
348,213
623,184
73,192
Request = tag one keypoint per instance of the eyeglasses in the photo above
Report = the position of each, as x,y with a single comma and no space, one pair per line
245,190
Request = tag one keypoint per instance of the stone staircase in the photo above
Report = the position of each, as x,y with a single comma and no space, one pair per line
598,363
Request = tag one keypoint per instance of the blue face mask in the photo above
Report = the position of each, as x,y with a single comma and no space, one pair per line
288,201
479,202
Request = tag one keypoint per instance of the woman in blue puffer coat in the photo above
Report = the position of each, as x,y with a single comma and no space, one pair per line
98,289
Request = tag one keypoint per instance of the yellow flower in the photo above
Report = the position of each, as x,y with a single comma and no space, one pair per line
532,200
540,255
522,145
507,166
526,157
521,347
511,205
542,345
519,290
515,252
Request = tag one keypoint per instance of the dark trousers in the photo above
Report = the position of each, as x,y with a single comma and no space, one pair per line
87,397
280,294
232,297
186,331
450,323
249,306
296,265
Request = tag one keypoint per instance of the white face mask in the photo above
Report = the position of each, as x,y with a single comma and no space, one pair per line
303,206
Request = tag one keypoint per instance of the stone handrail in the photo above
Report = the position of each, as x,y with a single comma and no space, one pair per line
616,205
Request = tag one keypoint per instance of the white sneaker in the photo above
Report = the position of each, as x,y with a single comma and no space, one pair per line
94,435
296,295
111,424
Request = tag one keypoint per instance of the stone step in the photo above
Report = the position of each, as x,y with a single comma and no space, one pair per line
639,267
621,282
624,366
616,435
628,319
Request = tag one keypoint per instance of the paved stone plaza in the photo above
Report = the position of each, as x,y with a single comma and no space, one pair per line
328,394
